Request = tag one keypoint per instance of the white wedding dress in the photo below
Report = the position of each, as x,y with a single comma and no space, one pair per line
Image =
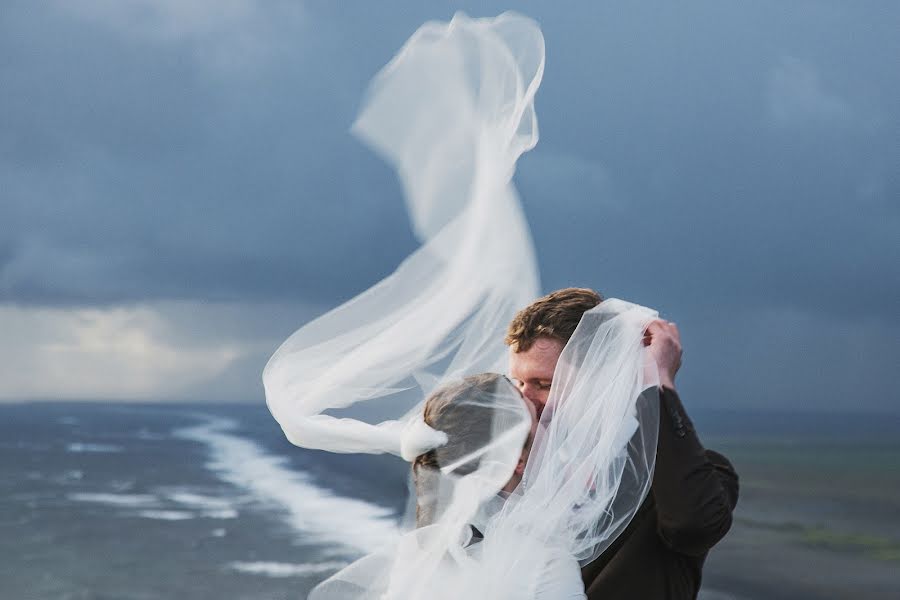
453,111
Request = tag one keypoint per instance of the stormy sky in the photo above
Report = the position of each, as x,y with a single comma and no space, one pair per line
179,189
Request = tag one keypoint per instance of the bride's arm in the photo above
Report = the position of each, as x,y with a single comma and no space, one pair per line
560,580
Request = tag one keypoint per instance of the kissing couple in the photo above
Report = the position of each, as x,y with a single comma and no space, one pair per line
578,475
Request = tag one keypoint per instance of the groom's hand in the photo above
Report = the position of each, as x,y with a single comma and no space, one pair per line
664,342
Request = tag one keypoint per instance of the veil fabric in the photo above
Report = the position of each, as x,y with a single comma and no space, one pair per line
452,112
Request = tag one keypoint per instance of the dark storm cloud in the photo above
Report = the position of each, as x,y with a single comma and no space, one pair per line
136,168
732,163
725,201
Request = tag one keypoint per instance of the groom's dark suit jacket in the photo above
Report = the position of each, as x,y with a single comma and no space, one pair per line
660,555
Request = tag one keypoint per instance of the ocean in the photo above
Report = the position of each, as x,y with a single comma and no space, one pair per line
104,501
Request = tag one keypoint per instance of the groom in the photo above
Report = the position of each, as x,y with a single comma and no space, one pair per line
660,554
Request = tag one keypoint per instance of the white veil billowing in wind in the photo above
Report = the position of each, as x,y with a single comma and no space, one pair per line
452,112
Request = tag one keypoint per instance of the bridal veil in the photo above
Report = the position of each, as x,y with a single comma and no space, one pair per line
452,112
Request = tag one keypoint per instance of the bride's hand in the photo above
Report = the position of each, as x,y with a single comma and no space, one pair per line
664,342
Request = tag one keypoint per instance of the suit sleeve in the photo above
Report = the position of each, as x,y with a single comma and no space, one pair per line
695,489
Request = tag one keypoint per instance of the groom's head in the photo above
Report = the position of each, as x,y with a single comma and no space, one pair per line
537,335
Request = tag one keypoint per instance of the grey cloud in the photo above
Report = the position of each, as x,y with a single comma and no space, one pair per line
185,182
714,159
152,351
796,96
145,171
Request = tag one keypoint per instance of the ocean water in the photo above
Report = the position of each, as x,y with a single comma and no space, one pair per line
104,501
123,501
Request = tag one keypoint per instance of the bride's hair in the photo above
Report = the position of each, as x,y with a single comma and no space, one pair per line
556,316
464,411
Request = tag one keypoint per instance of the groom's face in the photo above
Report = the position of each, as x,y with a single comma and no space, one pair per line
532,370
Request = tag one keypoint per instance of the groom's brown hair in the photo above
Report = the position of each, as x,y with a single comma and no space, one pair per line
556,316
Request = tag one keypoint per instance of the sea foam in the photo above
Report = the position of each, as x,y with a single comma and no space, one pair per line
166,515
199,501
190,505
277,569
81,447
124,500
318,515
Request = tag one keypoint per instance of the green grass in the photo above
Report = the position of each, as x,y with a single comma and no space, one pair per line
871,546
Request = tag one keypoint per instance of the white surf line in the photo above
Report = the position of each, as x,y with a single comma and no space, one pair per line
166,515
102,448
120,500
276,569
317,514
209,507
198,500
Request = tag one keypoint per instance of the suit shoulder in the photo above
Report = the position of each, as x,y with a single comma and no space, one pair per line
718,459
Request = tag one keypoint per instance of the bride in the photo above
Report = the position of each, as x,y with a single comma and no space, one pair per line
453,111
474,415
